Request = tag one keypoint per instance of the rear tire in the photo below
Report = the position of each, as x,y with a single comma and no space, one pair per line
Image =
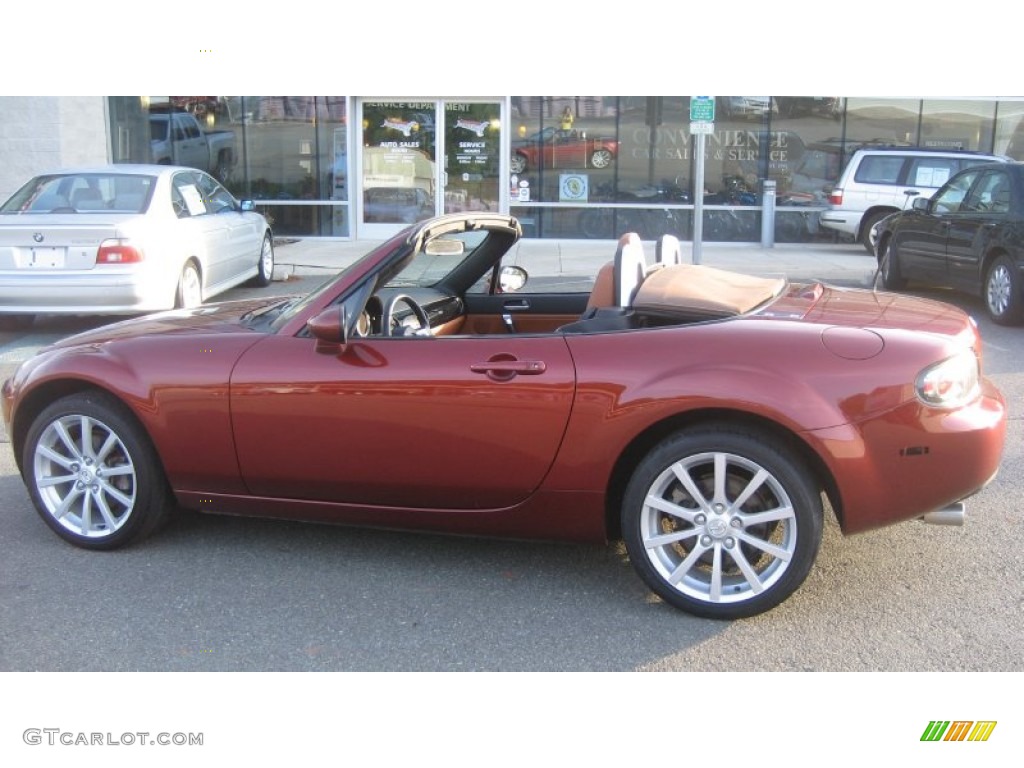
1002,292
190,287
722,522
601,158
865,233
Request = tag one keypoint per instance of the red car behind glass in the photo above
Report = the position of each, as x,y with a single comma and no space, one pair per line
557,148
700,415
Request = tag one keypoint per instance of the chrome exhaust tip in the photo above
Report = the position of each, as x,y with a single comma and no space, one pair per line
954,514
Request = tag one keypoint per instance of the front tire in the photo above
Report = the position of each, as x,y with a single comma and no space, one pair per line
92,473
889,267
1002,292
518,163
721,522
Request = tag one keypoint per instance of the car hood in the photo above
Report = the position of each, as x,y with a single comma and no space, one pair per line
224,317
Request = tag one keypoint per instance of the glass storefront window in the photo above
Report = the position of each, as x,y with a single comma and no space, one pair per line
957,124
1010,129
881,121
578,166
268,148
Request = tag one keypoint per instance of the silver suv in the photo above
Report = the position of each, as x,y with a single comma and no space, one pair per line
879,181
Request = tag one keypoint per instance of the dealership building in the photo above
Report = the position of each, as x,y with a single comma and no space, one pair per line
567,166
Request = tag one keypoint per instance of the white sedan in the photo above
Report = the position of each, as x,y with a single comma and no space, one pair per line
126,239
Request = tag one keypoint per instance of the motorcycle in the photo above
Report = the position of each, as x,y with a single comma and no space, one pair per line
650,222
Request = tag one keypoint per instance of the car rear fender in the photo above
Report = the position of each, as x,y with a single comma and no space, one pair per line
646,441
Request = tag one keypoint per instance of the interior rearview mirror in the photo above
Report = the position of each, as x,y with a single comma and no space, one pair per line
445,247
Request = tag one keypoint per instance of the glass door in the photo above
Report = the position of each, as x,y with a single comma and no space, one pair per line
472,156
422,158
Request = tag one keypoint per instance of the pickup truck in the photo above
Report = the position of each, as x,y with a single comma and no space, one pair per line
177,138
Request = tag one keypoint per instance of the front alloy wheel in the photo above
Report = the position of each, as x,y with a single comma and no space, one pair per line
92,474
723,524
265,266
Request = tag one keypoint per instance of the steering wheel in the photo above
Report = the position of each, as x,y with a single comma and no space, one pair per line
387,316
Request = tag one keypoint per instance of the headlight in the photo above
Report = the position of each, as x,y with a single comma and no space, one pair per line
951,383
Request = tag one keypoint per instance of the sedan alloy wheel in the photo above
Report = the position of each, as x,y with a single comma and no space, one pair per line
265,267
190,287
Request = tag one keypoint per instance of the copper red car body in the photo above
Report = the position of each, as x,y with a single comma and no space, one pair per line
403,432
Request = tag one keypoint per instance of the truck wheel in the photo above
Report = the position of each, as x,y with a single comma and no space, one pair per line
224,167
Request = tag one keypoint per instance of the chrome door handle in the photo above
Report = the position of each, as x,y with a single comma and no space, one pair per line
504,370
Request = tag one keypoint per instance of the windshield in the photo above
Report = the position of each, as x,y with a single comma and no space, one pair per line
439,259
83,193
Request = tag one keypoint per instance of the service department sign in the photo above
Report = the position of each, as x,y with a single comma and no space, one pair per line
573,188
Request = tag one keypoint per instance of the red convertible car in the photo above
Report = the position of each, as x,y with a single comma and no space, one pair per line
556,148
700,415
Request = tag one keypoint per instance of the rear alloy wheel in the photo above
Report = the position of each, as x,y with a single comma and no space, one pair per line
867,225
265,267
190,287
518,163
601,158
722,523
92,473
1002,292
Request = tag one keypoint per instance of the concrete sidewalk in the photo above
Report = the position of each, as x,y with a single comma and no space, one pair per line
847,264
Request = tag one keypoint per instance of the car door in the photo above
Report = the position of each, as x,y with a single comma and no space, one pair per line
921,236
984,210
206,234
243,235
462,422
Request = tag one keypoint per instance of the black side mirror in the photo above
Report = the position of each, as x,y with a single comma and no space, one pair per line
920,204
247,206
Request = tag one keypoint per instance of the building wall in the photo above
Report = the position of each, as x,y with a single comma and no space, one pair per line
40,133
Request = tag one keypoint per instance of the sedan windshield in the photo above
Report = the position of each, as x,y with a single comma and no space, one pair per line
83,193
